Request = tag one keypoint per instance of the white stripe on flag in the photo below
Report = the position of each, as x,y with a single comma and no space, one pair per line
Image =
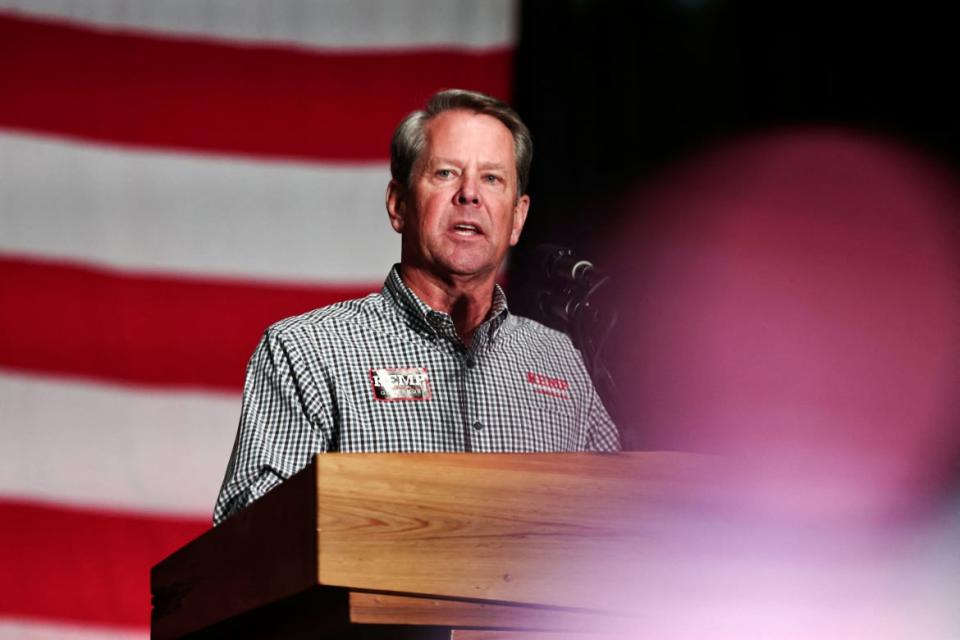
150,451
13,629
203,215
340,24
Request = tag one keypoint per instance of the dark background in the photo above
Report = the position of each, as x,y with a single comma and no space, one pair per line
615,91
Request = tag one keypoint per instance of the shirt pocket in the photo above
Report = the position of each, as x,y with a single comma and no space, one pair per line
552,422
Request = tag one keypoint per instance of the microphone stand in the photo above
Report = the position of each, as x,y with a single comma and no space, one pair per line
589,327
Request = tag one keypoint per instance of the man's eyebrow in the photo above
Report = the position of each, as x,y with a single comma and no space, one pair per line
437,160
484,166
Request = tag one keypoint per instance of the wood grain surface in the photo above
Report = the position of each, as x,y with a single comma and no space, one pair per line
567,530
385,608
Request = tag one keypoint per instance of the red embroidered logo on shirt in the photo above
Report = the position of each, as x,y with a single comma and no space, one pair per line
548,385
408,383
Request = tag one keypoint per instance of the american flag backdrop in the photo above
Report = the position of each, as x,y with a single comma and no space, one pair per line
175,176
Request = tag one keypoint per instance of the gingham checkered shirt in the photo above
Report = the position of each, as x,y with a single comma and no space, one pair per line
388,373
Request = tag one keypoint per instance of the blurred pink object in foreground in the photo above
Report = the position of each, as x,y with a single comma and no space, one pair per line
794,302
791,303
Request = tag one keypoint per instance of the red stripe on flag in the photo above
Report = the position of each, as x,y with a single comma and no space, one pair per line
83,565
191,94
147,329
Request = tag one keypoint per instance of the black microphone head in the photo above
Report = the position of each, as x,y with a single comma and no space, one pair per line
549,259
561,265
566,283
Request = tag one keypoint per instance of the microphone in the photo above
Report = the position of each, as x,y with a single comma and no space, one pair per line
565,300
568,281
561,266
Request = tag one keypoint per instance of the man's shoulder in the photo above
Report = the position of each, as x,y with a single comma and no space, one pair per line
528,335
344,315
525,328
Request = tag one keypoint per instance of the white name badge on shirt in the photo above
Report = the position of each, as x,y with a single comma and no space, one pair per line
409,383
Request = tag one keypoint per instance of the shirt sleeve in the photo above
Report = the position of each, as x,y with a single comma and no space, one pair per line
278,433
602,434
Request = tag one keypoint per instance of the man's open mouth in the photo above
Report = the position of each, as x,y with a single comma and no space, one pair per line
466,229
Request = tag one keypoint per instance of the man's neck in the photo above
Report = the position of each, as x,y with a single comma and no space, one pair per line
466,300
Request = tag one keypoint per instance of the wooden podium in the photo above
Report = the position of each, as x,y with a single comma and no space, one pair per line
431,545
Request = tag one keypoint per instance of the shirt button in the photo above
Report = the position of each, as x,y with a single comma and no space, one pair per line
477,425
471,363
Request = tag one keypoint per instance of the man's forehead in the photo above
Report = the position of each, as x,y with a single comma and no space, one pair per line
452,133
458,122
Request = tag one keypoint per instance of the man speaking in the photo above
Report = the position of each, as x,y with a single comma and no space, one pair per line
435,361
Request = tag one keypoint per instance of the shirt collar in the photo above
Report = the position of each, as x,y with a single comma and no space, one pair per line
438,322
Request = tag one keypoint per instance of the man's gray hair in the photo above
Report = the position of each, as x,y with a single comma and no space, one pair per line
409,138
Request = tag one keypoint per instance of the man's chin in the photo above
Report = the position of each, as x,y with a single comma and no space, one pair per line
468,269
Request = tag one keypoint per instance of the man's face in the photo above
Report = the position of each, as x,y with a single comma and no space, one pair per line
461,212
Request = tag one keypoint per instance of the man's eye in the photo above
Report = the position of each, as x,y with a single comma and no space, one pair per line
492,179
444,173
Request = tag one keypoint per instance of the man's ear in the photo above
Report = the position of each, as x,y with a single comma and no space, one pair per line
519,217
396,205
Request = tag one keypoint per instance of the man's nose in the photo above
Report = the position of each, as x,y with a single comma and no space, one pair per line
469,192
